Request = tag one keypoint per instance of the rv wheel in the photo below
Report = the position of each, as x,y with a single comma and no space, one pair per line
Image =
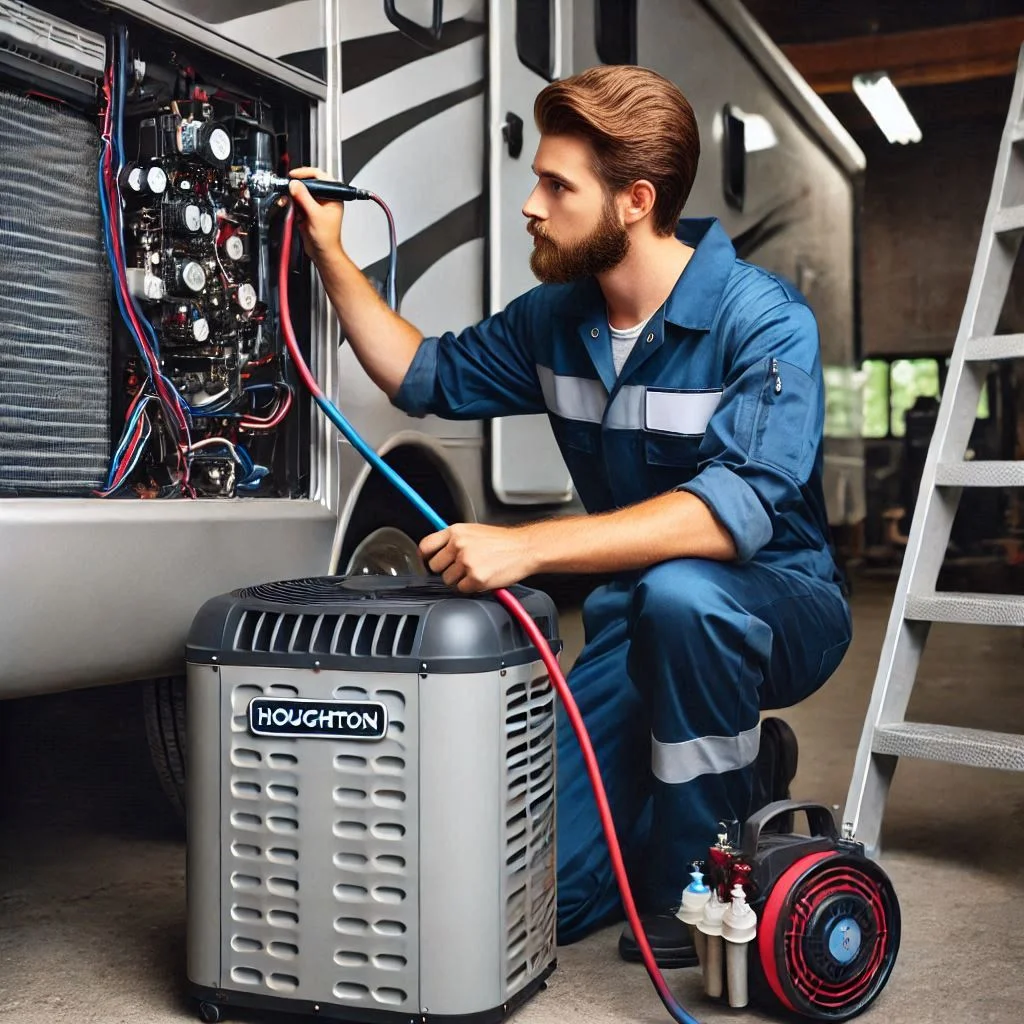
164,708
384,532
389,551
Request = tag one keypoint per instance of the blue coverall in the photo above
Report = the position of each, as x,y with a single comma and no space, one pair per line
722,396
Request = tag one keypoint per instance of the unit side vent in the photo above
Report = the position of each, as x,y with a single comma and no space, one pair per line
529,830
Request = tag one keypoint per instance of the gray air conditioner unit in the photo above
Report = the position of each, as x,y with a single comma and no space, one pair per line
371,791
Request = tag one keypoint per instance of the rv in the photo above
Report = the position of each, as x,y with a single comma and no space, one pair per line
155,446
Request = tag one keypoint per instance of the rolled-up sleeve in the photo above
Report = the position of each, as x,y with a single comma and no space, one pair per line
484,371
761,444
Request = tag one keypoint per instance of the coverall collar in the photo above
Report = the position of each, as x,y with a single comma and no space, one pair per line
693,301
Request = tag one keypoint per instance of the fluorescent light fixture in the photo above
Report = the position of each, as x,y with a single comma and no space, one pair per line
886,106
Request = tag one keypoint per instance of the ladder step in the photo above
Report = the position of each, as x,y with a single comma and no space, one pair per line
976,747
1011,218
999,346
980,474
970,609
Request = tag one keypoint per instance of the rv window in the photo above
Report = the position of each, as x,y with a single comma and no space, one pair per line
534,31
420,20
615,27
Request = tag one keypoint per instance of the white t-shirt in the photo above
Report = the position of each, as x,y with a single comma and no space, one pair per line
622,344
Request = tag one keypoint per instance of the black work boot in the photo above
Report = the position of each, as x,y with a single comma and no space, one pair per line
669,938
774,770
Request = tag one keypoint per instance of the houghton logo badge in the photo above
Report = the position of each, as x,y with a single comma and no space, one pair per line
324,719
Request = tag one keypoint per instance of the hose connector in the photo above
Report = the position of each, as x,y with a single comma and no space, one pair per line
263,184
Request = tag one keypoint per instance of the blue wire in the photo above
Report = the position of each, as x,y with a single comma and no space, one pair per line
129,429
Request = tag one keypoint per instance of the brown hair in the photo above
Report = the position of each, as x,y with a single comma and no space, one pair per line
638,124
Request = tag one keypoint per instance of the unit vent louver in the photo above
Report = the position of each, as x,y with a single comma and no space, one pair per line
530,904
352,634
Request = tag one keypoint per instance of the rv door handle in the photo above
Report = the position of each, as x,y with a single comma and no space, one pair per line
512,130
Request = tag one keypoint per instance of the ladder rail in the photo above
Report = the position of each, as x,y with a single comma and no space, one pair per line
936,506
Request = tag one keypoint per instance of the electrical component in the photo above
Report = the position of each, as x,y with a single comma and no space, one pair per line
189,240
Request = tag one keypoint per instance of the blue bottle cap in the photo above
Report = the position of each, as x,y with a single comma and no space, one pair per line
697,885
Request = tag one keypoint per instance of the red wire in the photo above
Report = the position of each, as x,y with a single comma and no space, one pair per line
255,423
538,639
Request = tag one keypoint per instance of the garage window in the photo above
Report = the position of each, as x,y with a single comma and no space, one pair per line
891,386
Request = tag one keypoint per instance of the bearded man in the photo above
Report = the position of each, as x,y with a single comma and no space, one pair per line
684,388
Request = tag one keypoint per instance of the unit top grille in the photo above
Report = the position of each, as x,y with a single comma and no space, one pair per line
380,623
333,590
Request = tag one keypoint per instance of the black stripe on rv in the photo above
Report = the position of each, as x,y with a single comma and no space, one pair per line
765,228
214,12
418,254
363,60
359,150
313,62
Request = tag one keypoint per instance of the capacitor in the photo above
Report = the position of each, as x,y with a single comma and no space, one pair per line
185,216
245,296
190,275
234,248
200,328
142,182
207,140
206,222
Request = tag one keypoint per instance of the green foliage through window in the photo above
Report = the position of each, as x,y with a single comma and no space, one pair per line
910,379
875,398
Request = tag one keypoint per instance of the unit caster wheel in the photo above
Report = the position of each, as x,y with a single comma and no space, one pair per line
209,1012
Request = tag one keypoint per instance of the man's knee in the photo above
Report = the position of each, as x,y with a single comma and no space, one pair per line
684,595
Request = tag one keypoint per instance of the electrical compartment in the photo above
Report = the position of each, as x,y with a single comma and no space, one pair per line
140,355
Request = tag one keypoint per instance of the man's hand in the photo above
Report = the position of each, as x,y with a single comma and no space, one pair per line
474,558
319,223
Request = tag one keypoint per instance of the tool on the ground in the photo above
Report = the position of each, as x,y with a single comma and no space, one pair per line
808,923
887,735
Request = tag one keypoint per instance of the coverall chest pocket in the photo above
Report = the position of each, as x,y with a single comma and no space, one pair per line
785,434
674,424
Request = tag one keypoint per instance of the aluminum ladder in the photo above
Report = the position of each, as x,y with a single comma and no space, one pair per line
887,735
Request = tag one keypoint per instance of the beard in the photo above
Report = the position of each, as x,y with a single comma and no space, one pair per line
560,263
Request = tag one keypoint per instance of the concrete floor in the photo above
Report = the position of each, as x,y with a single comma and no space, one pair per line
92,907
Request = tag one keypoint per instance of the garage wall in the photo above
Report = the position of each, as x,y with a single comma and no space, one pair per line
923,209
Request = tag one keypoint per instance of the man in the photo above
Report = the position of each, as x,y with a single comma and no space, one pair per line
684,388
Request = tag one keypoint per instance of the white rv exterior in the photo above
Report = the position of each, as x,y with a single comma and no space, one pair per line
96,591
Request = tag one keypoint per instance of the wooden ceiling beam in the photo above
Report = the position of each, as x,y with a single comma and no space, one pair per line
933,56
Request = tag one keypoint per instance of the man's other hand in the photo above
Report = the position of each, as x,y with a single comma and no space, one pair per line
472,557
